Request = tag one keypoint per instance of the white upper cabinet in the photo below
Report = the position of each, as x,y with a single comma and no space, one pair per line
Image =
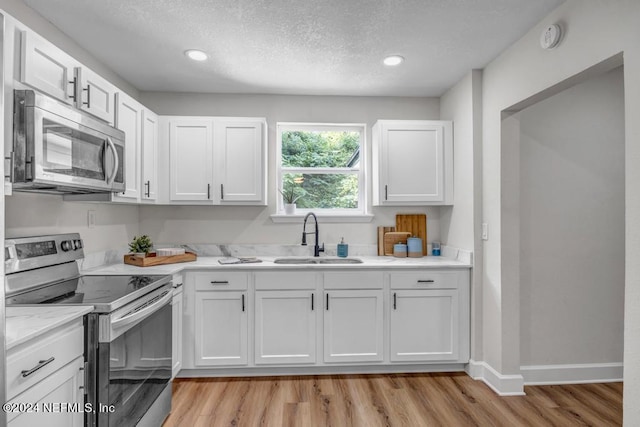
149,156
213,160
95,94
412,162
47,68
239,161
190,159
129,120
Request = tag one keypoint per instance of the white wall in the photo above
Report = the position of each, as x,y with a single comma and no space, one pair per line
460,223
38,214
594,32
197,224
572,225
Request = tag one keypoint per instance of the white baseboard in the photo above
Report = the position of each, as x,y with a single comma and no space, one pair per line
572,374
503,385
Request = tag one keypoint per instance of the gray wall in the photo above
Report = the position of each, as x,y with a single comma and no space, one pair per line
200,224
572,225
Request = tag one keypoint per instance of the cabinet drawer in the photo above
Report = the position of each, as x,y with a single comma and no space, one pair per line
61,347
285,280
221,281
426,280
353,280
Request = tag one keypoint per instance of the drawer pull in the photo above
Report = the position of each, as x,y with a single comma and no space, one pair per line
219,282
427,281
41,364
395,305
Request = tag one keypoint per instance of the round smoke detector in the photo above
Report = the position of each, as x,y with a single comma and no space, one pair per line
550,36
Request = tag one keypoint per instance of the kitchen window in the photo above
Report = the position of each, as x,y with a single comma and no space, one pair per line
322,167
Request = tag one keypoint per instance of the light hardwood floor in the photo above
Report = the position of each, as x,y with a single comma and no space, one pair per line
447,400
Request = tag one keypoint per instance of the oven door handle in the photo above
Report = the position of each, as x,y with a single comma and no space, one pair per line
141,314
116,163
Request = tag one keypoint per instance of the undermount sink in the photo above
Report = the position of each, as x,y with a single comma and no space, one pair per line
317,261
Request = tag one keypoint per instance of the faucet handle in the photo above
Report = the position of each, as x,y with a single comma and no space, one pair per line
321,248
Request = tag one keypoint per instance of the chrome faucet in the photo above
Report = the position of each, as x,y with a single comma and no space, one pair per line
316,248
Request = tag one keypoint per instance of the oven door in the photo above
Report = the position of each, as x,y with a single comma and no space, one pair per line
134,363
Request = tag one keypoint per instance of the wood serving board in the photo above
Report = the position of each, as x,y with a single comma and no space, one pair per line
416,224
381,233
392,238
152,259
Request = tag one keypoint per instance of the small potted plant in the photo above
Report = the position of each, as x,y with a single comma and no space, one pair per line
140,246
289,197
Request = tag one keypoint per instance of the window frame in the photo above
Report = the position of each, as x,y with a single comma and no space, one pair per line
360,171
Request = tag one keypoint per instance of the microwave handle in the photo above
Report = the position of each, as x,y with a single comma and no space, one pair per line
116,164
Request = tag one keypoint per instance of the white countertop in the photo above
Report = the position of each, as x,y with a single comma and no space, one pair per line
25,323
205,263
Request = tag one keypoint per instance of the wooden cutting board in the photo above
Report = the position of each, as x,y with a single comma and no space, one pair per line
393,237
381,232
416,224
152,259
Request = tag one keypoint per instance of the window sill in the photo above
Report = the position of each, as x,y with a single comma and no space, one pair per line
322,217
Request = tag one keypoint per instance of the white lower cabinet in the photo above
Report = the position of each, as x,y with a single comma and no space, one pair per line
285,327
47,373
221,329
424,325
59,399
324,318
353,326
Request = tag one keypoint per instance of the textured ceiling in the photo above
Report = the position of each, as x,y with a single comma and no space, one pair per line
320,47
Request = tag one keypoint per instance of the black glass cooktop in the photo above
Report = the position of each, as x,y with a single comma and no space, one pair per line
105,293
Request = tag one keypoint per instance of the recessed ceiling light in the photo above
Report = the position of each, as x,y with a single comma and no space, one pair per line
196,55
393,60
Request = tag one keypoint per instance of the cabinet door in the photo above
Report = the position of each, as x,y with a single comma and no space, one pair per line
129,120
412,162
95,95
47,68
239,161
424,325
221,331
149,156
353,326
190,158
285,327
59,397
176,343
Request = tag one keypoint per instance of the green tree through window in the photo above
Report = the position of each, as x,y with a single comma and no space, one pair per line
323,166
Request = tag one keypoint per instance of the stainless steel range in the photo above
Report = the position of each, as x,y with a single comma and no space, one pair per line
127,336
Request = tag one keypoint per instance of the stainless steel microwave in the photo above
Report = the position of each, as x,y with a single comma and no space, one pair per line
61,150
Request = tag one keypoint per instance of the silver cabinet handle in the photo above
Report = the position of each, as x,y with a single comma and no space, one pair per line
74,82
219,282
41,364
88,103
426,281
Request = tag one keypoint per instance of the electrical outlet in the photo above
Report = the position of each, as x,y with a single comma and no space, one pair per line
91,219
485,231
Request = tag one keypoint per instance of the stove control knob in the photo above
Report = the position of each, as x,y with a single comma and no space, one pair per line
77,244
66,245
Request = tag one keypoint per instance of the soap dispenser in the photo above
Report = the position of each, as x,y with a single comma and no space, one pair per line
343,249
